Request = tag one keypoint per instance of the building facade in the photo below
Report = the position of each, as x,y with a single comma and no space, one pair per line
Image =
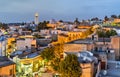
7,67
115,44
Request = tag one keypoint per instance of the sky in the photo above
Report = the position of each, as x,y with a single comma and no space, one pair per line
23,10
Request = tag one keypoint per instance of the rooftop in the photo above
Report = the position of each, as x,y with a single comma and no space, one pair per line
84,56
82,41
43,42
25,54
4,61
113,69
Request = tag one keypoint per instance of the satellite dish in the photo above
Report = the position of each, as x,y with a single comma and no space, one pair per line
104,72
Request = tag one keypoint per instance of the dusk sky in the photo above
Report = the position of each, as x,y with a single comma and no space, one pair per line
68,10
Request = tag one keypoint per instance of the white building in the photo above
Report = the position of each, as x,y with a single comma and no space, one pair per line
69,27
48,32
2,46
22,43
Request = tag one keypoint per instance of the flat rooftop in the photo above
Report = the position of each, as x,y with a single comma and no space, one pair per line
84,56
82,41
113,69
25,54
4,61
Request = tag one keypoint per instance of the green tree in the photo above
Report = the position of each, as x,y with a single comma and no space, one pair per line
95,19
58,50
113,16
70,67
106,18
55,64
48,53
101,33
76,21
42,25
106,34
118,16
113,32
60,20
3,26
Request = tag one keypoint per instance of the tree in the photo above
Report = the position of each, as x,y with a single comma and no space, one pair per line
3,26
95,19
118,16
113,32
55,64
113,16
60,20
48,53
76,21
58,50
42,25
70,66
101,33
106,18
106,34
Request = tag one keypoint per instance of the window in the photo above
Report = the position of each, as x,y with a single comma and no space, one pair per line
0,69
11,72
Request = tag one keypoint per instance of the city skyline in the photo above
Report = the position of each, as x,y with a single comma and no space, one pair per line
68,10
59,38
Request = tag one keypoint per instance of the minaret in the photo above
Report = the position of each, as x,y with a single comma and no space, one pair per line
36,18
